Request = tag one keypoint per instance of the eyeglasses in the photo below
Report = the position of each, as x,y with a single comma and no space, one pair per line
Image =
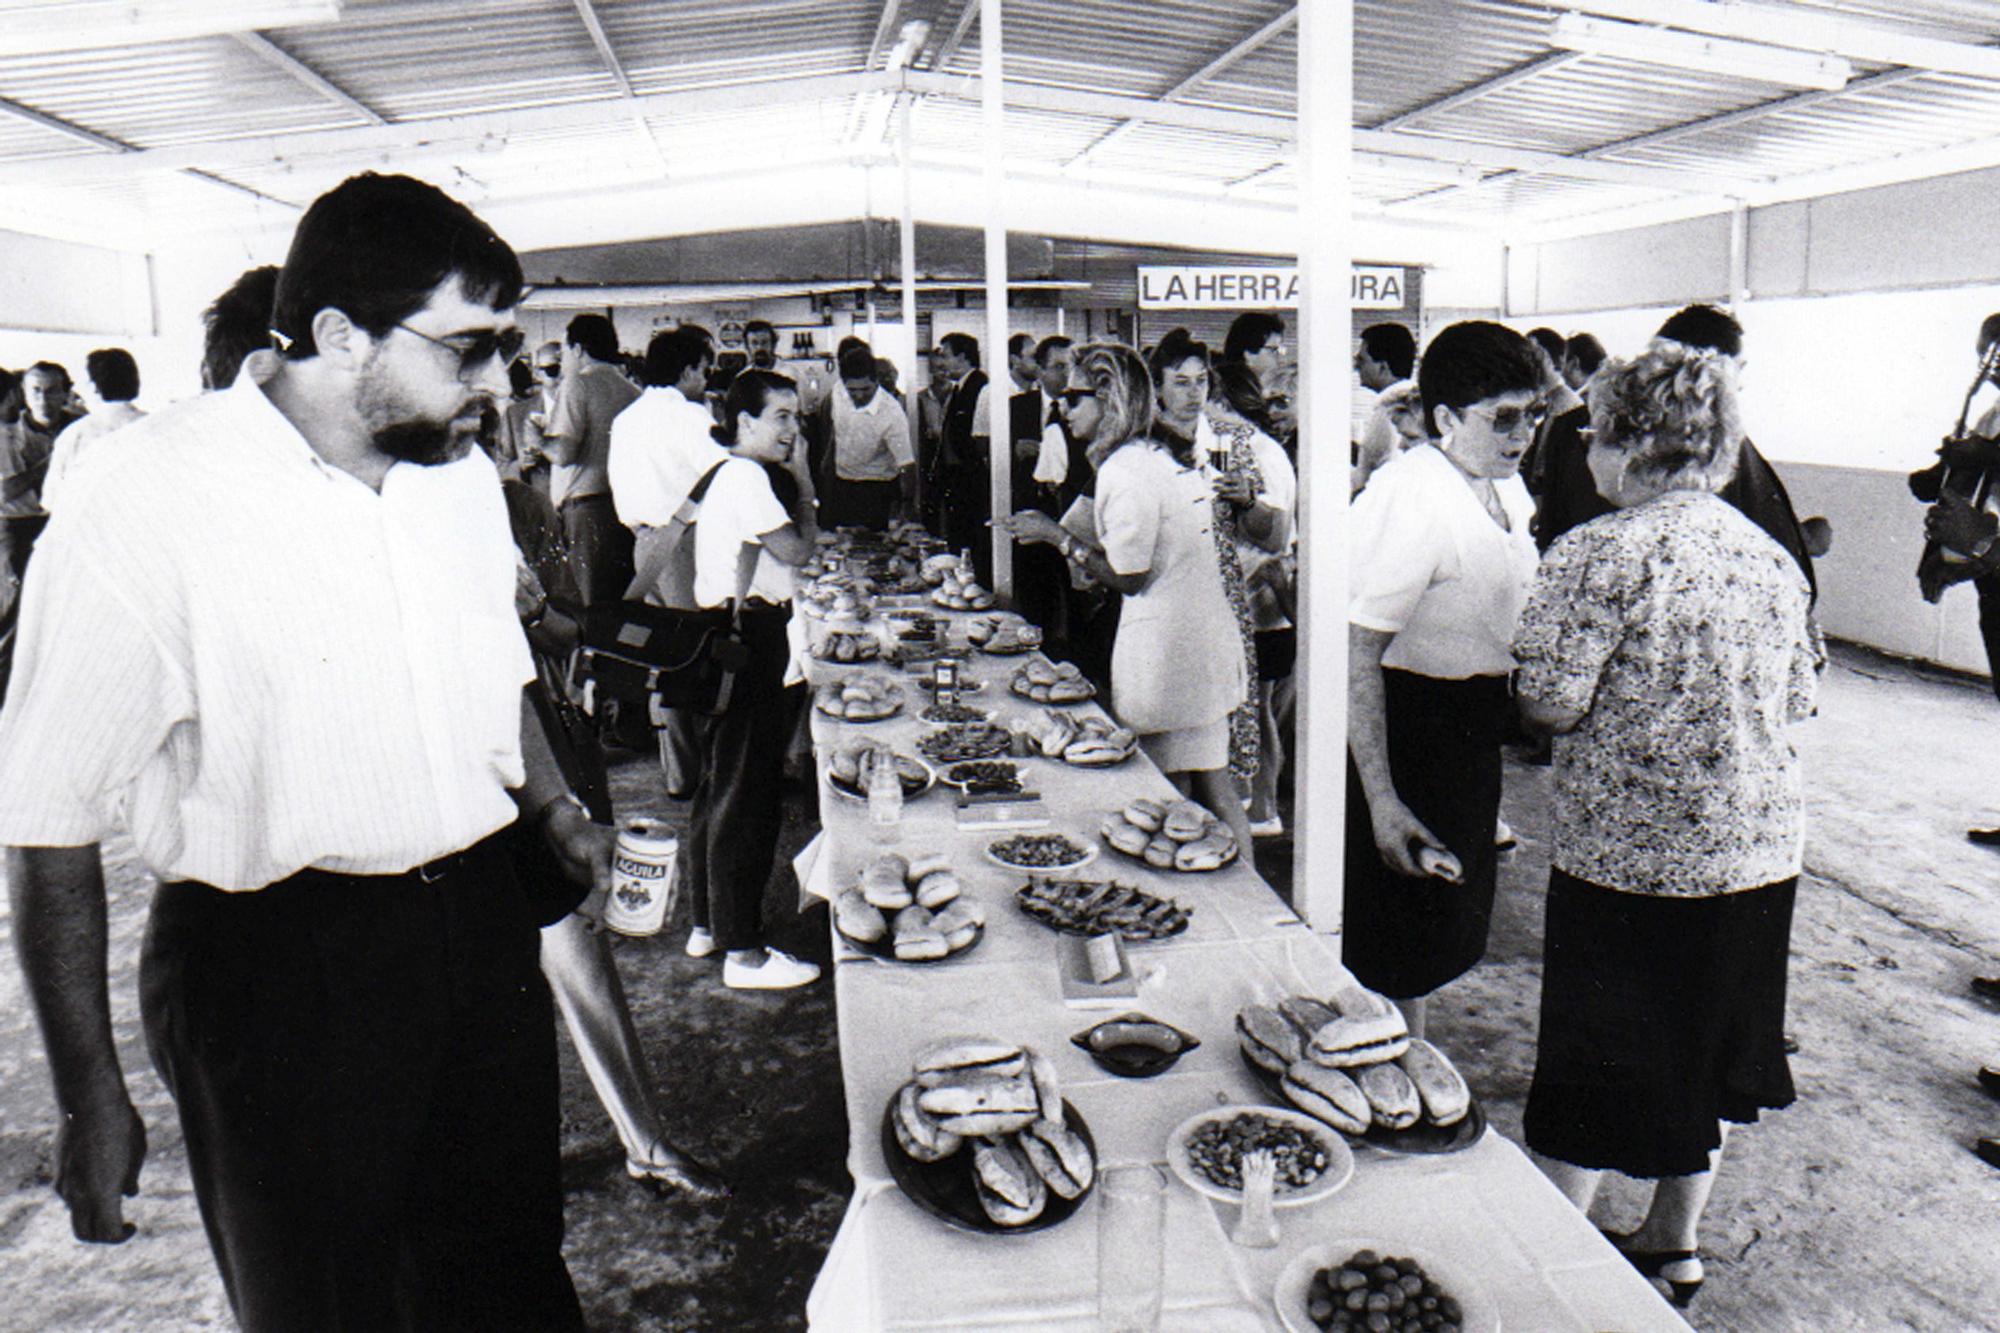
475,347
1278,400
1071,397
1509,420
551,369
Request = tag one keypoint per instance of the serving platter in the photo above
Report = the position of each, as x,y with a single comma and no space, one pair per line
946,1191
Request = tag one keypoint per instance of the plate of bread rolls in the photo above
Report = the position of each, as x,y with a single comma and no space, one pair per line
908,911
981,1138
1350,1062
1176,835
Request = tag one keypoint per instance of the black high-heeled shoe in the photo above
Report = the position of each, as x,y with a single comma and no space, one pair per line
1650,1262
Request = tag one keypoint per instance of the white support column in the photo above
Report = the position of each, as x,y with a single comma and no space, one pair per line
993,356
1326,98
906,228
1739,252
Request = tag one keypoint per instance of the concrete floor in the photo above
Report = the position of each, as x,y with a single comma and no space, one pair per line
1859,1208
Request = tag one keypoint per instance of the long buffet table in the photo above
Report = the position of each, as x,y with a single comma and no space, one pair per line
892,1266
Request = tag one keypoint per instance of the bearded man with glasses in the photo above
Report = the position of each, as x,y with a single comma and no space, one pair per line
306,706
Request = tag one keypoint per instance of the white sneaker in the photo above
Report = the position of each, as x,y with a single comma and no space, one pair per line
778,971
1503,835
700,943
1274,827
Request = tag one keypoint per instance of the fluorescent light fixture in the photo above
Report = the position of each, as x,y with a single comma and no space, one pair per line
1695,51
42,27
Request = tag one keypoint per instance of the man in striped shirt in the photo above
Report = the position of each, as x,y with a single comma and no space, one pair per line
273,637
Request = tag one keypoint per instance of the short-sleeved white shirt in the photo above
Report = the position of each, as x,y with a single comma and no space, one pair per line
738,510
660,447
1431,567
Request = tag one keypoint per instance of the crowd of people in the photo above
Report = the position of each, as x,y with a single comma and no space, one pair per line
1551,547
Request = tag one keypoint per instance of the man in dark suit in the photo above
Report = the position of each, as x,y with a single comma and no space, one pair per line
966,438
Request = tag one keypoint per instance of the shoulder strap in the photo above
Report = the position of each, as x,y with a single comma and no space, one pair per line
662,551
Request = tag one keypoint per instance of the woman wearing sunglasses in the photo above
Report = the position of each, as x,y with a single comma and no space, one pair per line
1442,558
1178,665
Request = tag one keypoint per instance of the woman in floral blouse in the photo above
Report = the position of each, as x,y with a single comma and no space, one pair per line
1667,646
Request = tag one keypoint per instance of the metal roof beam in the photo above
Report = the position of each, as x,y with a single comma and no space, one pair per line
1500,158
1255,42
587,11
116,149
1547,64
272,54
1804,30
884,24
956,38
1109,106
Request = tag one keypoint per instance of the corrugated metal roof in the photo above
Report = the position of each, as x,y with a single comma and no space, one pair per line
1477,80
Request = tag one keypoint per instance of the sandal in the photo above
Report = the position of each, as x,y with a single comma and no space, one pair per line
670,1171
1651,1262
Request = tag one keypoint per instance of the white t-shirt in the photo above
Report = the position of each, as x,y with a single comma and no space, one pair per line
739,509
660,447
1431,567
872,443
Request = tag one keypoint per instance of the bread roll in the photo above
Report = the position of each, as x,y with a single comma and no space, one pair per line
883,883
1267,1038
1209,853
959,923
1391,1095
1439,1085
928,863
1329,1095
1307,1014
1048,1087
979,1104
1185,821
918,1133
857,918
943,1061
1010,1189
1059,1156
1127,838
1357,1001
1160,851
846,767
1145,815
921,946
937,888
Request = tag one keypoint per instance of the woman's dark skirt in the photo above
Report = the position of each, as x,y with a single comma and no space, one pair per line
1406,937
1660,1017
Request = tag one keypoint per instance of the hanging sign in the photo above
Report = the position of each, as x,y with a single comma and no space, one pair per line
1373,286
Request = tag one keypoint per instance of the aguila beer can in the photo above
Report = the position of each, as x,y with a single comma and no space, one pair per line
642,878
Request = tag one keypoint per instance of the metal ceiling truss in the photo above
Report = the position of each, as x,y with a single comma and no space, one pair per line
587,12
114,150
257,44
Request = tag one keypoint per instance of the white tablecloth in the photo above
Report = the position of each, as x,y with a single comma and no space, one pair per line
893,1266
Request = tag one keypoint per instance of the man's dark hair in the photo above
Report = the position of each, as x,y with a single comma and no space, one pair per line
1393,345
12,404
520,379
695,330
1055,342
1585,351
1248,333
1549,341
1236,384
1471,362
849,344
1017,345
750,393
1989,331
858,363
1177,348
375,248
962,345
673,353
113,373
1704,326
55,368
760,326
237,323
595,334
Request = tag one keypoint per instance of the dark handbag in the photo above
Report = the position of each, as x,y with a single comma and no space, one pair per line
647,658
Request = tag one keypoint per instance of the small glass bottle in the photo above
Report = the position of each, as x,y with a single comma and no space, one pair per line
885,793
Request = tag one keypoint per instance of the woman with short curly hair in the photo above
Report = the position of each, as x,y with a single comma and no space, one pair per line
1667,647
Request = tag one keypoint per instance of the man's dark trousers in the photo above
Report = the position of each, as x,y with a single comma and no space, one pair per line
366,1074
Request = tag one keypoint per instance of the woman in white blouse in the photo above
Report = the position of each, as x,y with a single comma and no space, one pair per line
1668,646
1442,557
1178,666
